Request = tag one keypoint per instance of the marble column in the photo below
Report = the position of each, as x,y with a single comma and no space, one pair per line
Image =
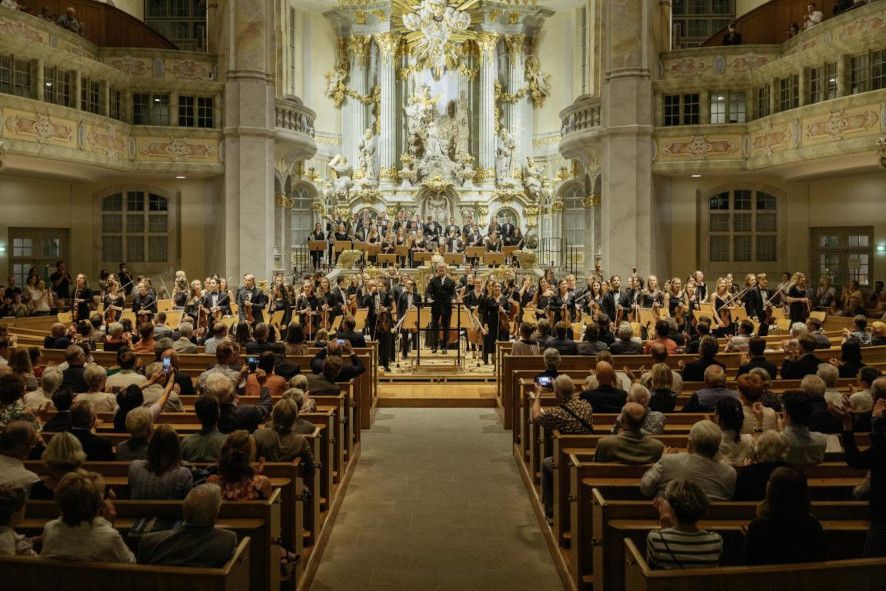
520,119
630,47
387,139
248,203
488,75
354,112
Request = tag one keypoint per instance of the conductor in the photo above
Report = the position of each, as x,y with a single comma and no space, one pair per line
441,291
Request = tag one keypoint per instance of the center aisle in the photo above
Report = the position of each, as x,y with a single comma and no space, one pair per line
436,502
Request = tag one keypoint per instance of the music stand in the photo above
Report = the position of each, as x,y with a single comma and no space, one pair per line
360,318
509,250
338,246
387,259
318,246
475,252
174,318
164,305
372,250
336,323
493,259
277,318
454,258
647,316
422,257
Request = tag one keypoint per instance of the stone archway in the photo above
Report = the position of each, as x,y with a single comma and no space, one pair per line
440,205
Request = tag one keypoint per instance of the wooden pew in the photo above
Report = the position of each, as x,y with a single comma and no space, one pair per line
41,573
259,520
860,573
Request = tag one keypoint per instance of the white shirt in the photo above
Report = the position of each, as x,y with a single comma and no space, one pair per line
102,401
125,378
97,541
36,399
13,472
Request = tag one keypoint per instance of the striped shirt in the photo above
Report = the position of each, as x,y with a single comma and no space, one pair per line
671,548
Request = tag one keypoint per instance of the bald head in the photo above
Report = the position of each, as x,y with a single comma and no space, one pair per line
632,417
605,373
659,352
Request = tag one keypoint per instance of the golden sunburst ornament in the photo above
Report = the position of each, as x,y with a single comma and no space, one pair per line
436,31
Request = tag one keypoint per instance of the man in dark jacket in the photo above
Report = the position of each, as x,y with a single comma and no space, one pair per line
73,376
605,397
800,362
83,421
756,348
235,416
562,341
349,333
707,349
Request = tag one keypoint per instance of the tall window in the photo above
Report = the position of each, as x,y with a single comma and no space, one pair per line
15,76
763,101
844,254
574,215
789,92
681,109
135,227
696,20
181,21
743,226
150,108
822,83
727,107
302,215
194,111
867,71
58,86
37,248
115,105
89,95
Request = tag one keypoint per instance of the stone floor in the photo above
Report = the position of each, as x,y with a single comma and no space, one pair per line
436,502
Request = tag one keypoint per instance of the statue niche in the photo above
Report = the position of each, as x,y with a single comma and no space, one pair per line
437,143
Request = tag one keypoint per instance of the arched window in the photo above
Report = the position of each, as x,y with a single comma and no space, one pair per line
743,227
573,214
302,196
135,227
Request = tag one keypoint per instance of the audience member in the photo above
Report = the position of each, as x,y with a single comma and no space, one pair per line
757,348
590,343
161,475
20,364
63,454
571,415
740,342
62,399
632,445
278,442
127,376
42,397
804,446
298,396
698,464
662,332
196,542
821,419
715,390
525,345
206,444
83,421
273,382
17,440
694,371
12,404
680,543
732,37
800,360
770,450
606,397
626,344
736,447
70,21
659,354
654,423
234,416
814,326
768,398
324,383
664,396
139,425
850,361
13,500
785,531
83,531
238,480
95,376
757,417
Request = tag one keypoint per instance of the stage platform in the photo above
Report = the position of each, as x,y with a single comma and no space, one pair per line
403,394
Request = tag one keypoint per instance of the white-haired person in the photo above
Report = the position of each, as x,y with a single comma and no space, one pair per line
50,381
699,464
95,377
680,543
770,451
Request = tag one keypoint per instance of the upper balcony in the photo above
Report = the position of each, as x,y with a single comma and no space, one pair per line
580,125
294,125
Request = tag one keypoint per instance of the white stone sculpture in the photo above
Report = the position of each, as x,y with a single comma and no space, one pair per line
466,171
436,21
344,177
504,155
533,180
367,154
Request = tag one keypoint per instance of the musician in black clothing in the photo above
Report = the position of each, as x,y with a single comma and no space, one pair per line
492,307
114,300
307,306
407,300
472,300
452,227
441,291
144,304
249,296
433,232
612,301
216,301
317,234
375,301
81,299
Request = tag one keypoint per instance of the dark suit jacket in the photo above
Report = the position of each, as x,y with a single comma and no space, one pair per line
73,378
754,362
245,416
694,370
565,347
97,449
188,545
318,384
605,399
442,291
355,338
259,301
796,370
619,347
401,303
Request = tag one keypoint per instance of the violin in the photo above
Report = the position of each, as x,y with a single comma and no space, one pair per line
250,318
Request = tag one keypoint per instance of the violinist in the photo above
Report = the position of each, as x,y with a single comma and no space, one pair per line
722,299
560,305
388,242
317,234
327,306
542,299
611,303
226,292
114,302
418,244
652,297
494,314
280,303
194,302
400,221
408,300
525,294
251,301
124,278
472,299
81,298
630,300
217,302
493,242
180,290
798,299
515,238
307,305
377,302
144,303
760,306
454,242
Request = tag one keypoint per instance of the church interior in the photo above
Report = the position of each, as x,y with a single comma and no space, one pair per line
443,294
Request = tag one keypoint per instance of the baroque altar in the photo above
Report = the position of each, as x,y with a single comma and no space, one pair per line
436,101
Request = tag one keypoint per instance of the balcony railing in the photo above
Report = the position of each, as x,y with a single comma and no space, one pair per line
293,116
582,114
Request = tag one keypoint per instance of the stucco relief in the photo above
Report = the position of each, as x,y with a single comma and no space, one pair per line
698,147
747,62
130,65
769,140
177,149
104,140
39,128
861,26
687,67
189,70
838,124
22,31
